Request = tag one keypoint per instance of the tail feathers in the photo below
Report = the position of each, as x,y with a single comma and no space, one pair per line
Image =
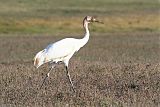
39,59
36,62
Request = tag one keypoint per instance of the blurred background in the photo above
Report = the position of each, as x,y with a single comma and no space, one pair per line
54,17
131,26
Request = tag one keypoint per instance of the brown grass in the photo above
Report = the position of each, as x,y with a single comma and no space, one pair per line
118,70
97,84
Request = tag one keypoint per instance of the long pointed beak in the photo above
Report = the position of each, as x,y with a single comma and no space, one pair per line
99,21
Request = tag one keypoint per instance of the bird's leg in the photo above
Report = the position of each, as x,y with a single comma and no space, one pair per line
68,75
47,75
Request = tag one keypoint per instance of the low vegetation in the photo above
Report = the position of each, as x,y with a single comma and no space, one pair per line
111,70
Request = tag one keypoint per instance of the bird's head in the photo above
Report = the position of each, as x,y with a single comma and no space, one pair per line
91,19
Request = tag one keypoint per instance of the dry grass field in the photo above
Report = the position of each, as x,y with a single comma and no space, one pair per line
118,70
119,67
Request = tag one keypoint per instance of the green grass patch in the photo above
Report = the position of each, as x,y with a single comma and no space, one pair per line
54,17
114,23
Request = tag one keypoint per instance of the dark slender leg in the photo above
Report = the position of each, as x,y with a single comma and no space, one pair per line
69,77
47,75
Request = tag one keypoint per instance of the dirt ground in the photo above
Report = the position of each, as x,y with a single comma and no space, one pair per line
114,70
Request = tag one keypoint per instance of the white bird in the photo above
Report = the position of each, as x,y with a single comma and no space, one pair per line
63,50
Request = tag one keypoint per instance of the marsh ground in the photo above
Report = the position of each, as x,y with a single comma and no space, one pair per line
111,70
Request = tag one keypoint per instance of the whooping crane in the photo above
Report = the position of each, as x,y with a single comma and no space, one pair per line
63,50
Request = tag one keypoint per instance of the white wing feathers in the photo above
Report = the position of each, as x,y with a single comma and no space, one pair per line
58,51
39,58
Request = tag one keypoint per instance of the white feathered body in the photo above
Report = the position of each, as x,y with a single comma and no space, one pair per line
62,50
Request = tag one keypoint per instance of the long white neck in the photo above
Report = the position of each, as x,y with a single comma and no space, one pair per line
85,39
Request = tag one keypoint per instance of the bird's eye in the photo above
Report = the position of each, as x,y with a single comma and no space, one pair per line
89,18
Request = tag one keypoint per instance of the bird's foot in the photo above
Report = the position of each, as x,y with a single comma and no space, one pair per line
47,75
73,89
